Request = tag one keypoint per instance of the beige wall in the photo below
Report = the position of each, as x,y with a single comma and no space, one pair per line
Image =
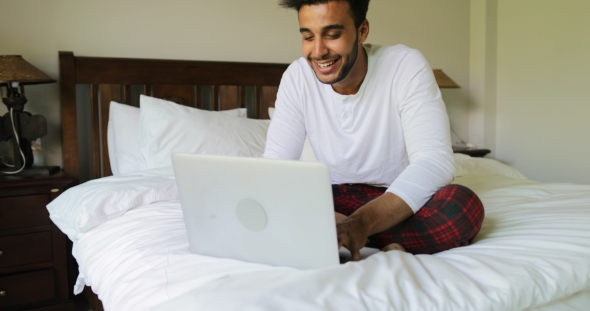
233,30
482,74
543,88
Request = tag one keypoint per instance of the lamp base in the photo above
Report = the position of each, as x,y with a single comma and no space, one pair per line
34,171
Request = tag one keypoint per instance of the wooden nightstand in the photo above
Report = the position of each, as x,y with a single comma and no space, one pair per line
33,251
474,152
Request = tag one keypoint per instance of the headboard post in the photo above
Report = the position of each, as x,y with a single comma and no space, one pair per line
69,127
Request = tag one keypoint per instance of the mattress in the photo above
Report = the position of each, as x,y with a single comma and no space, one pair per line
532,253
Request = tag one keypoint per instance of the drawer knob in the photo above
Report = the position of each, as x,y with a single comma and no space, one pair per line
55,190
1,252
2,293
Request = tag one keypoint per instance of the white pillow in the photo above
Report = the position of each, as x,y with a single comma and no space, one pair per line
87,205
307,153
123,136
166,127
111,142
466,165
237,112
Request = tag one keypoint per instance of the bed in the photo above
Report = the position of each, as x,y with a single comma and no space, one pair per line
533,252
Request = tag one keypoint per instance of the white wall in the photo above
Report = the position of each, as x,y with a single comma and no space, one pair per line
230,30
543,88
529,99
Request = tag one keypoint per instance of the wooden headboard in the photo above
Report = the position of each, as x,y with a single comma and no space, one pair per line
200,84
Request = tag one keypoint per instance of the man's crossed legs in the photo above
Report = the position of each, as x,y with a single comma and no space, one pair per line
451,218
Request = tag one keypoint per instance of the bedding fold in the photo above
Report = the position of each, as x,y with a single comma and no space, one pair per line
87,205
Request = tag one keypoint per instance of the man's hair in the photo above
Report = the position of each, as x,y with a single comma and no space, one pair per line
358,8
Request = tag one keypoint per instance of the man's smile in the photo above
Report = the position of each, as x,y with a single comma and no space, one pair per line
326,67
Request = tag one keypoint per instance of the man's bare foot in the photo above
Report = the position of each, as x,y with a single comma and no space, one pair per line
393,247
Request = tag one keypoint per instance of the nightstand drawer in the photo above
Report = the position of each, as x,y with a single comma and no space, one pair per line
24,211
27,288
25,249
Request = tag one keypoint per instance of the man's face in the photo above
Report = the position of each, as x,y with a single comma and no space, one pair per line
330,40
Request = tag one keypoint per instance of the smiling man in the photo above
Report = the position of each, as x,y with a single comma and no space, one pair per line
376,117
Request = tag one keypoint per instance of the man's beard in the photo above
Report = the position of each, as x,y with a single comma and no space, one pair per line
347,67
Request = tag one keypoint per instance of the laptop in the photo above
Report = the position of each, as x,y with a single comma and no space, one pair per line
274,212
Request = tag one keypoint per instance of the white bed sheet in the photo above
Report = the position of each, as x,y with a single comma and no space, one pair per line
533,250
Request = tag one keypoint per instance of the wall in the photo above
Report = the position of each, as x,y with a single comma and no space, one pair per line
482,74
229,30
543,92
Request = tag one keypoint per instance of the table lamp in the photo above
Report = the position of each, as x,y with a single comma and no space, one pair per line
17,126
444,81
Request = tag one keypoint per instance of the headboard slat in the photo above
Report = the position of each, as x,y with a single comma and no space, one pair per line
95,119
198,102
127,94
268,98
108,93
228,97
215,105
257,101
242,92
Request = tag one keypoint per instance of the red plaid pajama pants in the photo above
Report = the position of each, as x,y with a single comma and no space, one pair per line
451,218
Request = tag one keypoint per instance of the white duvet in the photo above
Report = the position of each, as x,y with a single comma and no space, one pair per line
534,248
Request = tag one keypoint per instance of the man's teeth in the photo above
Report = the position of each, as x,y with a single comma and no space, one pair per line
326,65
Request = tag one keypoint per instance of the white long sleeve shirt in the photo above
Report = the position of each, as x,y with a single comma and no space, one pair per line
394,131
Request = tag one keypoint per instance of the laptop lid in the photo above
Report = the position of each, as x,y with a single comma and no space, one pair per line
274,212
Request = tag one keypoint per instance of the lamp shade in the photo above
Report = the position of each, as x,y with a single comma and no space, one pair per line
443,80
13,68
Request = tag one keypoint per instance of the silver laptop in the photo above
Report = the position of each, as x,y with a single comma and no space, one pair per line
274,212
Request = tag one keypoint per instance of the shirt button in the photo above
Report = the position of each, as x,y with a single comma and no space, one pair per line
346,116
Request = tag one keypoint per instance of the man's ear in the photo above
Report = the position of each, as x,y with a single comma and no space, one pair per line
363,31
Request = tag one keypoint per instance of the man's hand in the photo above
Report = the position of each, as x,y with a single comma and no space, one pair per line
352,234
376,216
339,216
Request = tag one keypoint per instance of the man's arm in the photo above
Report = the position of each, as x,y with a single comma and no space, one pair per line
286,133
378,215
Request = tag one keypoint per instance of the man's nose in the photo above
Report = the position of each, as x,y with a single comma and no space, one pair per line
320,49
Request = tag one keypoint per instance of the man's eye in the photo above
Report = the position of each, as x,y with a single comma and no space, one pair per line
307,38
333,36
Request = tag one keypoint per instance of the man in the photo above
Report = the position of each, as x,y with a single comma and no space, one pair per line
375,116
